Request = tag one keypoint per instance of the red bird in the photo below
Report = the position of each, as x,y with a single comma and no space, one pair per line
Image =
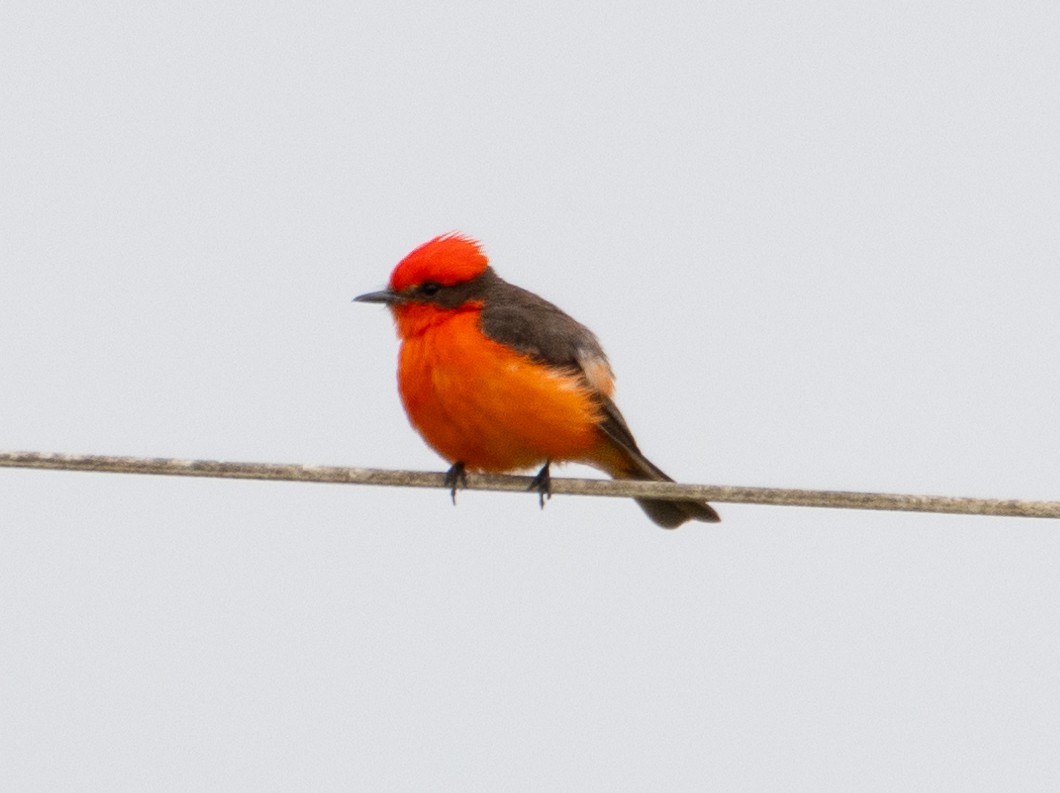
497,379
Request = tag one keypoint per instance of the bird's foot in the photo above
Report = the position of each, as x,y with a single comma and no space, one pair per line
542,483
455,479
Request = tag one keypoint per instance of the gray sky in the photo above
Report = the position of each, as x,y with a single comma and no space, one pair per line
820,243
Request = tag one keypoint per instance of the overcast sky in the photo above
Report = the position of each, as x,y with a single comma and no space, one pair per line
821,245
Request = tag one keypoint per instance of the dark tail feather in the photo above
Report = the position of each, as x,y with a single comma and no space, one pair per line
668,514
620,457
671,514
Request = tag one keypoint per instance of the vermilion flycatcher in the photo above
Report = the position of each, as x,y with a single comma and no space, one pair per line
497,379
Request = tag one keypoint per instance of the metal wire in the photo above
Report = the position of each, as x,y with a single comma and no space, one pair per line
673,491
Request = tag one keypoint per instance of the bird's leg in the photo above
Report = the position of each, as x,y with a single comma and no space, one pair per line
455,479
542,483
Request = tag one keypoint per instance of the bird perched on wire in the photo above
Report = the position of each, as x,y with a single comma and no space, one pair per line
498,379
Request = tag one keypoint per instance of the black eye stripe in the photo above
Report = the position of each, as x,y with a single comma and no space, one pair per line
449,295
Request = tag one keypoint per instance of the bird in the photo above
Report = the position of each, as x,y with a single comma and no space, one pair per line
497,379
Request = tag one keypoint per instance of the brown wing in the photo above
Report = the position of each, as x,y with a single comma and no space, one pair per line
530,324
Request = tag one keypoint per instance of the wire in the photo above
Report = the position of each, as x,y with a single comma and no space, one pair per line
671,491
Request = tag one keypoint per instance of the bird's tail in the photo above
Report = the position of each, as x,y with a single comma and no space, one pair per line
617,454
624,463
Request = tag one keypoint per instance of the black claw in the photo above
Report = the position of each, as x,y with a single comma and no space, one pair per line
455,479
542,483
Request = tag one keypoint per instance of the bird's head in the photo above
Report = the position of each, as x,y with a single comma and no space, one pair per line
437,277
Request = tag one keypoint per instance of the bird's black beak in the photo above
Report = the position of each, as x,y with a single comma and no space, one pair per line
384,296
